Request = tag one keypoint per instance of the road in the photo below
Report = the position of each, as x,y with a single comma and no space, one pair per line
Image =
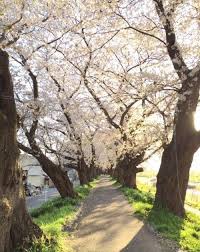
38,200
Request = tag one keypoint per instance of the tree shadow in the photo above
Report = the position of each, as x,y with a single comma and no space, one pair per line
144,241
161,231
122,224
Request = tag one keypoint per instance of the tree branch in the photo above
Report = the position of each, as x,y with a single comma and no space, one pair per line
173,48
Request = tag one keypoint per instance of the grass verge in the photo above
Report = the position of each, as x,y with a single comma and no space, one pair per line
52,216
186,232
194,176
192,198
150,173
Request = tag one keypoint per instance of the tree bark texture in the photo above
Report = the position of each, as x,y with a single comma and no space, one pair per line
126,169
16,226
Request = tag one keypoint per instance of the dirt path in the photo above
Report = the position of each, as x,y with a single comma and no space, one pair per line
107,224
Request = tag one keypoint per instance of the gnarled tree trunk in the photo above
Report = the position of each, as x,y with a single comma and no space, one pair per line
172,179
173,176
16,226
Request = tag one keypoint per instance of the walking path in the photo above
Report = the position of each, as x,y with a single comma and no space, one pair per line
107,224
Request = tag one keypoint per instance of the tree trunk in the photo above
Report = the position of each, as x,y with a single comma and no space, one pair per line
115,172
172,179
23,230
92,169
54,171
119,172
173,176
82,177
126,169
82,171
90,173
16,226
58,176
129,177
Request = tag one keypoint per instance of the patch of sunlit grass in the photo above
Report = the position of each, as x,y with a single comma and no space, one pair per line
52,216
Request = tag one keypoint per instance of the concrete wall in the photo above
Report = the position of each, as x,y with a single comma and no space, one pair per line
36,180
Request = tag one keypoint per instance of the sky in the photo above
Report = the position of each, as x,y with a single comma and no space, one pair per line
154,161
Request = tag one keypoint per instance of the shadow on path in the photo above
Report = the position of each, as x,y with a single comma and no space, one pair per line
107,224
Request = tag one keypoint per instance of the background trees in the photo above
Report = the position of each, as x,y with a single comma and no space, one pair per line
106,85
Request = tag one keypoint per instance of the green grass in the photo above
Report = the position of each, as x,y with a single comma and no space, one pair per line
195,176
147,173
186,232
192,200
52,216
